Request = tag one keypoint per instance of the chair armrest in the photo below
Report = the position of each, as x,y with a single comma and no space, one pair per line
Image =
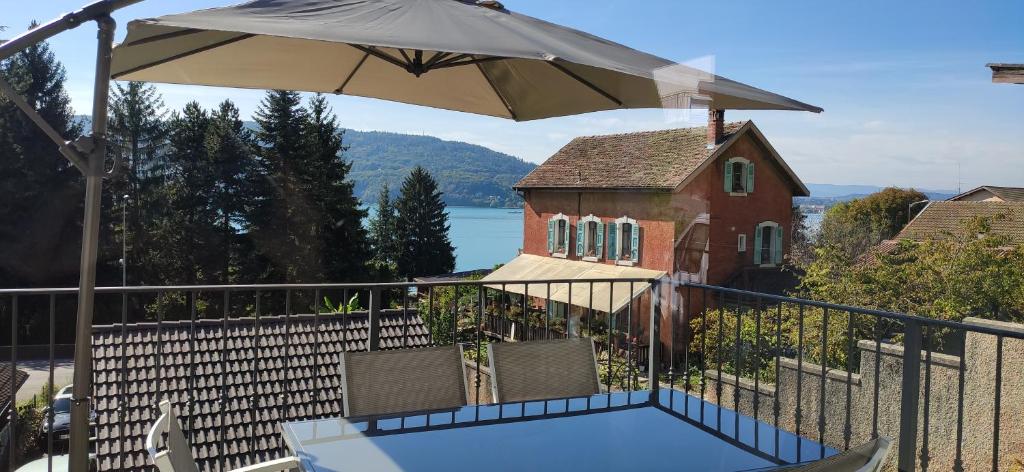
276,465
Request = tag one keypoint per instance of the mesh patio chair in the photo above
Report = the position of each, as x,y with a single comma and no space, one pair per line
868,457
406,380
176,455
538,370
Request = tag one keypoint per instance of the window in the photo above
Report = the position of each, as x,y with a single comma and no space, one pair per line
558,235
624,241
739,176
768,244
741,242
589,238
738,169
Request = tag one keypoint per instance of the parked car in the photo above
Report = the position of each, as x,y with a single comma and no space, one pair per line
61,418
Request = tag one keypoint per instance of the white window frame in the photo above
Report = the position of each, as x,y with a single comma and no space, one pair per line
586,220
771,245
743,180
618,242
741,242
568,236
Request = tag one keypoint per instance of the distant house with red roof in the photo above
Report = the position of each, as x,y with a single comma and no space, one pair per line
698,204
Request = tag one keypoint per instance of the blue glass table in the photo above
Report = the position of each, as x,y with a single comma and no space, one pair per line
617,431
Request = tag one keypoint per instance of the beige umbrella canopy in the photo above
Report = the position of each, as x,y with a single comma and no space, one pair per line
473,57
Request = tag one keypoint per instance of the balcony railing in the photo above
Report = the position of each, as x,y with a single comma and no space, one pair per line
238,360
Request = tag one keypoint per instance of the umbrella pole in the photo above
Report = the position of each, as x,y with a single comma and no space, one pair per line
80,404
88,155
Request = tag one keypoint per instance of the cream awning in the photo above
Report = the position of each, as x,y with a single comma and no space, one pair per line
529,268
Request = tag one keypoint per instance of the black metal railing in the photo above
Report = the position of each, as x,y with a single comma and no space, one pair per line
238,360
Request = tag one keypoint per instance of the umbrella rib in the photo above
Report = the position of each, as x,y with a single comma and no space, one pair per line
352,74
586,82
447,64
183,55
501,97
161,37
381,55
436,57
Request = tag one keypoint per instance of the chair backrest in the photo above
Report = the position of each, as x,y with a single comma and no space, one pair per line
537,370
176,455
867,457
405,380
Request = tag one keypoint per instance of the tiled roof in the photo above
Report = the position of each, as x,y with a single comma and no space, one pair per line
938,219
654,160
1007,194
296,377
9,385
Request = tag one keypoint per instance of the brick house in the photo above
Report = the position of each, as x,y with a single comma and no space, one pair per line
991,193
698,204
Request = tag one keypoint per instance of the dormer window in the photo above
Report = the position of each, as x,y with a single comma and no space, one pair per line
589,238
739,176
558,235
624,241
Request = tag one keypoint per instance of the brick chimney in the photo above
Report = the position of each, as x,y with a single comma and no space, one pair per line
716,126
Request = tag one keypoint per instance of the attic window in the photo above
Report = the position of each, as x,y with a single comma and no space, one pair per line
739,176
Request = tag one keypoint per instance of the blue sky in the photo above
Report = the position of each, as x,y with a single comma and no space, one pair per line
906,95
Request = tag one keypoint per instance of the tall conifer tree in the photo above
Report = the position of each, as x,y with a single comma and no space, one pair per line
283,214
383,229
138,138
339,240
230,150
42,210
423,228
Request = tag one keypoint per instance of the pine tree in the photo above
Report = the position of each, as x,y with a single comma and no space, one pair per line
229,146
34,175
383,225
339,239
138,138
283,216
423,228
181,249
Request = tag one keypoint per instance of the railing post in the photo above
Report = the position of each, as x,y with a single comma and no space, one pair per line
910,395
374,318
653,351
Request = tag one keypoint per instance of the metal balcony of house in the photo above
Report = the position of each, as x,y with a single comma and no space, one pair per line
689,377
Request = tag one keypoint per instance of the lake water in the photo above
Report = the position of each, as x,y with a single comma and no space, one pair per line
484,237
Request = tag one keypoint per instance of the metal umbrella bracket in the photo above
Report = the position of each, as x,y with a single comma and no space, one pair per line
87,154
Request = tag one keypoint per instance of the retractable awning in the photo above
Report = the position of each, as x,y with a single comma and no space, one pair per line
534,271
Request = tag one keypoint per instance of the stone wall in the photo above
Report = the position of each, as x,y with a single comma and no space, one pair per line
850,399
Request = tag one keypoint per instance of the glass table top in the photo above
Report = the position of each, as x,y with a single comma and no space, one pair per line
617,431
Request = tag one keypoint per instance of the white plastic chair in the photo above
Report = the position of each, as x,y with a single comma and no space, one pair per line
176,455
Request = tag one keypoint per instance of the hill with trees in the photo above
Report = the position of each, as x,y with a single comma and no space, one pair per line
467,174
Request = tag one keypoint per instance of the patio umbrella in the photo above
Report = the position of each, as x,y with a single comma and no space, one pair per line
457,55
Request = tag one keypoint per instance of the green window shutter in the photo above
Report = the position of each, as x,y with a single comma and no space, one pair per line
728,176
635,256
579,238
757,244
778,245
568,242
613,236
750,177
599,239
551,236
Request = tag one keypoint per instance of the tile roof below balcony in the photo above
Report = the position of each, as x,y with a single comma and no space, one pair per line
246,377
